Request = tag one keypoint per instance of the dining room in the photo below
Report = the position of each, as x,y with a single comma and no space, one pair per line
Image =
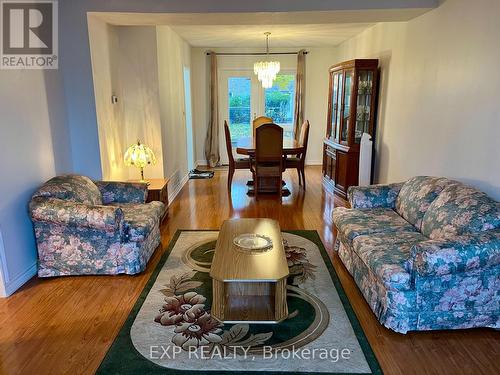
296,101
174,83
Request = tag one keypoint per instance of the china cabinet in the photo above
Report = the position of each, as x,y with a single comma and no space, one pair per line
352,108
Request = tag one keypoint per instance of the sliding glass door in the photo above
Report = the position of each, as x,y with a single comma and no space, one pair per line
242,98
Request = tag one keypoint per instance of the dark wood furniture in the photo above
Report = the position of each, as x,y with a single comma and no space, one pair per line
246,146
267,165
158,191
299,161
352,106
240,163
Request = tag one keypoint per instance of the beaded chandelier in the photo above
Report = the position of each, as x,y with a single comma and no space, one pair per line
266,71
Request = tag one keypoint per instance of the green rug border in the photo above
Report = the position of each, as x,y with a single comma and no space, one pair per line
130,361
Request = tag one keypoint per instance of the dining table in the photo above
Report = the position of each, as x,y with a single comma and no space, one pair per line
246,146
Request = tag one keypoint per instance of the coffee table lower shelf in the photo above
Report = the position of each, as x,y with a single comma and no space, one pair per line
239,301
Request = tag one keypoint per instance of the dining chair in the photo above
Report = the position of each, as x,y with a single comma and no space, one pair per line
258,121
299,161
267,167
239,163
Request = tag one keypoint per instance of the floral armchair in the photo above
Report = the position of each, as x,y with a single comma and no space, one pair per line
84,227
424,253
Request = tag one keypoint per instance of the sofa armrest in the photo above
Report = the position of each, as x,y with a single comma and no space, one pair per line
69,213
373,196
122,192
464,253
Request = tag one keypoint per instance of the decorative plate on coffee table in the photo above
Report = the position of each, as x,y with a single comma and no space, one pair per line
253,242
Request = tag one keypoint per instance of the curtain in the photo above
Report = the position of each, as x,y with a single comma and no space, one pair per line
300,82
212,154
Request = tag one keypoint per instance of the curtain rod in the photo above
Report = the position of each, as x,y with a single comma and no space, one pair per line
254,53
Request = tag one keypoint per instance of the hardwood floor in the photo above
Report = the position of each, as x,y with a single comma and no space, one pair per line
65,325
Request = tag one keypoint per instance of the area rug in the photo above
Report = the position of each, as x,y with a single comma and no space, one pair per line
170,329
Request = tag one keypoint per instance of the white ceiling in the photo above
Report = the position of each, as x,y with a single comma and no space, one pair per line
319,35
289,29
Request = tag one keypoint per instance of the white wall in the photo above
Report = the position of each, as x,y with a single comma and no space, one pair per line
104,42
440,90
34,146
139,94
317,63
173,55
143,66
124,63
318,60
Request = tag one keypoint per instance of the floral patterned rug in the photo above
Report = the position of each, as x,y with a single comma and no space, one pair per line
170,329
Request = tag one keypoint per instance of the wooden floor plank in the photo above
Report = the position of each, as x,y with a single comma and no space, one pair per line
65,325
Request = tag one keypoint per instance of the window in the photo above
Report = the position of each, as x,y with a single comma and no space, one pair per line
239,92
279,102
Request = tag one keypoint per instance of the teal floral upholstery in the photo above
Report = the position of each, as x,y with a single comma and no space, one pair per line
460,209
387,254
76,234
57,211
374,196
416,196
71,188
140,219
479,250
122,192
426,259
352,223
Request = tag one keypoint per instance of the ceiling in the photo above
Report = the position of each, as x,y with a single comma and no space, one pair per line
319,35
289,29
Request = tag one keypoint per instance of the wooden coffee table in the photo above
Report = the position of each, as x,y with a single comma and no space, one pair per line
249,286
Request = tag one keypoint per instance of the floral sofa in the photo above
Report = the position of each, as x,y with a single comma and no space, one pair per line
425,253
85,227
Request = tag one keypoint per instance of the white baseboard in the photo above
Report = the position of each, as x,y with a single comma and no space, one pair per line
20,280
176,189
314,162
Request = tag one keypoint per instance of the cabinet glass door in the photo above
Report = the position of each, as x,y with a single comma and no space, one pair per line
346,113
333,110
338,105
363,104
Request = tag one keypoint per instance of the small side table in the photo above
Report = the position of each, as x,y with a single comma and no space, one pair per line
158,191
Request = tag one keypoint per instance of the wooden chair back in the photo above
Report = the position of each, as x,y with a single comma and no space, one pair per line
229,147
268,158
269,144
304,138
258,121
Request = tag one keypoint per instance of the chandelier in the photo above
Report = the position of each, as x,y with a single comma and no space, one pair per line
266,71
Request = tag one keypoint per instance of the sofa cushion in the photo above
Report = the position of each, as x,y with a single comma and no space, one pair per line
351,223
416,196
387,255
74,188
140,219
458,210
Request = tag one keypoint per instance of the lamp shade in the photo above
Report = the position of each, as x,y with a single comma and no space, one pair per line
139,155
